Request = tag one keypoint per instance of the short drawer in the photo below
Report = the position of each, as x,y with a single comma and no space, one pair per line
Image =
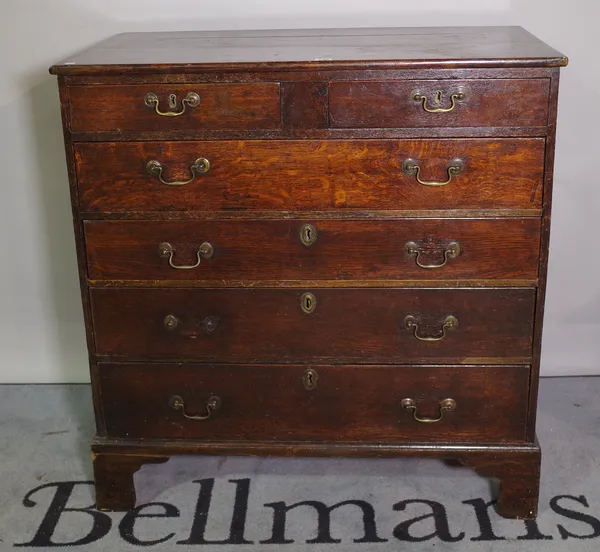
214,250
439,103
315,403
292,175
160,107
342,325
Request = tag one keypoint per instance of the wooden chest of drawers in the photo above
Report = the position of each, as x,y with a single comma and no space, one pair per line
314,243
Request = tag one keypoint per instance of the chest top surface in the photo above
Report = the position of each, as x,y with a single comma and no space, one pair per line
314,49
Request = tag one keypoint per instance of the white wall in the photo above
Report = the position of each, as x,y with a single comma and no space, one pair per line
41,326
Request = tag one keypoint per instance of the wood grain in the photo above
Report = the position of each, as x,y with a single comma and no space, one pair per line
349,403
487,103
312,50
222,106
353,325
303,175
344,250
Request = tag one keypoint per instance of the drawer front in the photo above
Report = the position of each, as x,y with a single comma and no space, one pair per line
439,103
310,175
342,403
356,325
183,106
444,249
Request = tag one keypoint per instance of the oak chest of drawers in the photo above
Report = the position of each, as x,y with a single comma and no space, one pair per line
314,243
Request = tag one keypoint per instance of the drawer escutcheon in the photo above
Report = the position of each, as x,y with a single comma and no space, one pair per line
310,379
308,234
308,303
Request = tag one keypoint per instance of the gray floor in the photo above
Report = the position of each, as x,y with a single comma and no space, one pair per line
46,469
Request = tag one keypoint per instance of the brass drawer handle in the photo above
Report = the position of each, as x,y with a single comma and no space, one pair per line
212,405
205,251
447,405
412,168
200,166
412,324
437,100
451,252
192,99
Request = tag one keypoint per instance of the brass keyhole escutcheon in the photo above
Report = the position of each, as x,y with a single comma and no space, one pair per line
308,302
308,234
437,99
172,101
309,379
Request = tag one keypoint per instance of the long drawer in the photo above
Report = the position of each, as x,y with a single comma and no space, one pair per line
343,325
315,403
439,103
443,249
293,175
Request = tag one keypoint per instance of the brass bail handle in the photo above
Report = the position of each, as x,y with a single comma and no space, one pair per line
411,167
200,166
212,405
437,99
446,405
166,251
412,324
192,99
451,252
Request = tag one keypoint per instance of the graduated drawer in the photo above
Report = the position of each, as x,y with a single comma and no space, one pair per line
244,106
439,103
315,403
501,173
440,249
354,325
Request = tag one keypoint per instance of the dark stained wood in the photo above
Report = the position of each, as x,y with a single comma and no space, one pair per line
349,403
295,140
518,475
113,475
79,246
317,175
345,250
491,103
516,466
222,106
323,74
374,214
312,49
544,251
305,105
299,133
347,325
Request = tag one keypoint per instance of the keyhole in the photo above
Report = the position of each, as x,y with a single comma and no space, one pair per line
308,302
309,379
308,234
172,101
437,99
